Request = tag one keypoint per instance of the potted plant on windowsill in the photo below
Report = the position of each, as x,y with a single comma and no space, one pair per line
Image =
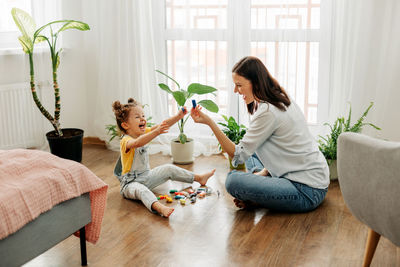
328,144
67,142
182,147
235,133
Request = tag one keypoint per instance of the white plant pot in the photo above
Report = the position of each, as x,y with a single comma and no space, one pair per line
333,175
182,153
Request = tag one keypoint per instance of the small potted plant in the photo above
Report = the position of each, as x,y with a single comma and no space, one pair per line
235,133
328,144
65,143
182,147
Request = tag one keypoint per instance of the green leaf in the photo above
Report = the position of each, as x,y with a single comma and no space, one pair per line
225,117
165,87
25,23
200,89
26,44
182,138
40,38
179,87
209,105
179,97
74,24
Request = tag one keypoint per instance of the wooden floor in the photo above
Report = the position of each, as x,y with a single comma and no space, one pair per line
213,232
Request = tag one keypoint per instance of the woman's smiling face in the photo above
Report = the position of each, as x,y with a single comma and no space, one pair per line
243,87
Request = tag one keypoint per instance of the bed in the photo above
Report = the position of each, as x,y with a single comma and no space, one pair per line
43,200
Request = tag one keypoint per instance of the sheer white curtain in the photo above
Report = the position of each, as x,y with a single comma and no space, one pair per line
366,63
121,59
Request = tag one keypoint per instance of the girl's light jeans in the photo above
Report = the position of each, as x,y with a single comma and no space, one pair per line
142,185
275,193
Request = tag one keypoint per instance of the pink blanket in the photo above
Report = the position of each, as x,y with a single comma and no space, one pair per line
33,181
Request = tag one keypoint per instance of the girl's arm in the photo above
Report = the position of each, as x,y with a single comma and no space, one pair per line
174,119
227,145
146,138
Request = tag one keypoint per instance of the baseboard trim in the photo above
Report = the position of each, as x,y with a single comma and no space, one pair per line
92,140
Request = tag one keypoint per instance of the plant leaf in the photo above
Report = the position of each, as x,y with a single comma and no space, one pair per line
200,89
209,105
179,87
165,87
26,44
40,38
25,23
179,97
74,24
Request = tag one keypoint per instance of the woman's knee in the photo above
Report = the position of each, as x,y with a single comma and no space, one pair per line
233,181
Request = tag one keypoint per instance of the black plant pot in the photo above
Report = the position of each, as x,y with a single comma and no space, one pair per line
69,146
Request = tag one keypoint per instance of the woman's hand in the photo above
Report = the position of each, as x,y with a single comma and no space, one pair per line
162,128
200,117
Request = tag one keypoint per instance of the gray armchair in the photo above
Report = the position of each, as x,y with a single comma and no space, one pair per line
369,178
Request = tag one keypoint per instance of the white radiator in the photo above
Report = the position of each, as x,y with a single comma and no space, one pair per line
21,123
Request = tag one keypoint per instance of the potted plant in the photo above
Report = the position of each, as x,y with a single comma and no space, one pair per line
182,147
65,143
328,144
235,133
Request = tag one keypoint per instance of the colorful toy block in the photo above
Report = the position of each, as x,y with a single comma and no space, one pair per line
183,201
169,200
173,191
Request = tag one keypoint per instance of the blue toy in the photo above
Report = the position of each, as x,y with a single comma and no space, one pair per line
194,103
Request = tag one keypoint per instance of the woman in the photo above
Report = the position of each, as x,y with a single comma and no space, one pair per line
286,170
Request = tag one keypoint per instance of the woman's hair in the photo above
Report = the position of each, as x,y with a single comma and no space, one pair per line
265,87
121,111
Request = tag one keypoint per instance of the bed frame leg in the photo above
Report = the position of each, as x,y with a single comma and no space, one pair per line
82,238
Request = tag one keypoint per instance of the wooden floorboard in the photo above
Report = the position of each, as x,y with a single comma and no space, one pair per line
213,232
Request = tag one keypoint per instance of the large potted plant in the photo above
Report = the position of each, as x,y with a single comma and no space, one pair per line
182,147
235,133
65,143
328,144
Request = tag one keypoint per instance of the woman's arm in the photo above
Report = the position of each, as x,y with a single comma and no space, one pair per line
227,145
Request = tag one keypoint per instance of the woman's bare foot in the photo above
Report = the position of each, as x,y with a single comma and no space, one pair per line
163,210
203,178
244,204
263,172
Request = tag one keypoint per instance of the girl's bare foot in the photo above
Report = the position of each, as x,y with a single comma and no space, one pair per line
203,178
263,172
163,210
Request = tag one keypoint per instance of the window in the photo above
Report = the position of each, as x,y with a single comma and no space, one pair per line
41,11
205,38
8,30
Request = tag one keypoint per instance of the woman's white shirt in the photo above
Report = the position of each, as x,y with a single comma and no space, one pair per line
284,145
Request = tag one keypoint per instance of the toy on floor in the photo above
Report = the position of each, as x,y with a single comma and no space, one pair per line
188,193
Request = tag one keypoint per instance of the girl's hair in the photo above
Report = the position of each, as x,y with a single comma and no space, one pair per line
265,87
121,111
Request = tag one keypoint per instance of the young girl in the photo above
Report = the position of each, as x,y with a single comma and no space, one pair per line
136,177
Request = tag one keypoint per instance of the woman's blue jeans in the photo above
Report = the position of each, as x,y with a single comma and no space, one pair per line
275,193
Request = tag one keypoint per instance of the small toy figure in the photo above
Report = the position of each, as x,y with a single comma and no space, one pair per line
173,191
194,103
193,199
183,201
202,194
169,200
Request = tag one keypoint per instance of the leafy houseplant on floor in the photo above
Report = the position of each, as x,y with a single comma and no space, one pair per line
65,143
235,133
328,145
182,147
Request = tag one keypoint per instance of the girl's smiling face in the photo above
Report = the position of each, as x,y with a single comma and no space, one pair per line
243,87
136,123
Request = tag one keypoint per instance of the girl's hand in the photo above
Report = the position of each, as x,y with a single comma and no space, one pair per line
182,113
199,117
162,128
